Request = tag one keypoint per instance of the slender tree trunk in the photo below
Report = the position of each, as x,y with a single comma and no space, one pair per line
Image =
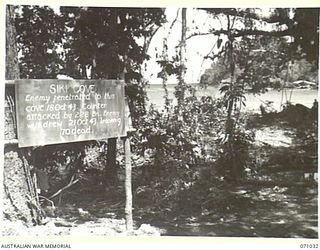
230,126
111,167
20,200
181,84
230,119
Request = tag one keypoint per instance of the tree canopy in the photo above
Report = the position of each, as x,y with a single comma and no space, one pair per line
77,39
106,40
39,36
262,55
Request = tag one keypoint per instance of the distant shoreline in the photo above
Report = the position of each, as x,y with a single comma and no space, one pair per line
151,85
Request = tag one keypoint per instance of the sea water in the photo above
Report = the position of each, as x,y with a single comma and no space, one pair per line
276,98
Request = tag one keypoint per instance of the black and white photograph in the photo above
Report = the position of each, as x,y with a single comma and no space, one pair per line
160,121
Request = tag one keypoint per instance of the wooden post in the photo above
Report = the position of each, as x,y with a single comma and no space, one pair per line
127,161
128,184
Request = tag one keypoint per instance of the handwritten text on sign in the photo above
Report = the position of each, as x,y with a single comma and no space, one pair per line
59,111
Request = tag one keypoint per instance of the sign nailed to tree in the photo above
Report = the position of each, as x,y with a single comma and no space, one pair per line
60,111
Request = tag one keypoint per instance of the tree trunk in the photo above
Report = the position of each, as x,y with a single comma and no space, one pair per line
19,198
180,93
111,167
12,66
230,124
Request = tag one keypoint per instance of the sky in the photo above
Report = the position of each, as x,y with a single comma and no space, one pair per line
197,47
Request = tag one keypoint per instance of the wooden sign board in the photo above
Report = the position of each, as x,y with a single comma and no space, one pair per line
61,111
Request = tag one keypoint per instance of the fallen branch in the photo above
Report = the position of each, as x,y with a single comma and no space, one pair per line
72,182
50,201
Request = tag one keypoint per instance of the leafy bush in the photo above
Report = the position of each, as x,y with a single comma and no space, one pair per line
234,155
176,146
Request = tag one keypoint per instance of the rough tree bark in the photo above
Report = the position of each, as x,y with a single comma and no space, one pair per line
19,199
12,66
